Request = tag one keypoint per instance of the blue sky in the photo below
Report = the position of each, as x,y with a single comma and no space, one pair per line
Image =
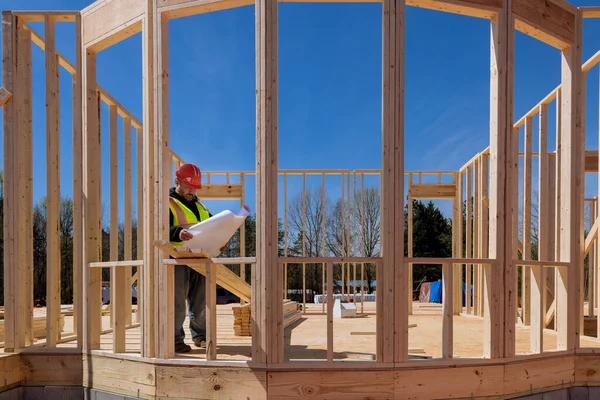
329,89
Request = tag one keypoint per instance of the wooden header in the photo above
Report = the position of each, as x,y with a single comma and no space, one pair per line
432,191
107,22
475,8
552,22
39,16
220,192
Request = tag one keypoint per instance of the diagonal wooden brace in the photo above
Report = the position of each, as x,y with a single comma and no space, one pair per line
5,96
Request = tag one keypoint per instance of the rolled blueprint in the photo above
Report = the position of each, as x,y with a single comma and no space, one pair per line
212,234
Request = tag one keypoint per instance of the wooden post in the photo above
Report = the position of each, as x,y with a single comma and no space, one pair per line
211,311
11,199
410,243
139,144
456,239
150,256
78,196
53,260
162,163
127,206
267,312
447,322
469,239
476,238
392,340
571,171
459,267
92,220
499,317
483,228
526,232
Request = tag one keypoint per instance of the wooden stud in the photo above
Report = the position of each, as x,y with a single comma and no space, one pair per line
410,215
571,201
526,228
92,278
329,312
476,237
127,225
10,176
211,311
53,256
147,272
469,240
139,143
323,248
499,326
167,329
243,233
267,313
161,163
78,194
393,339
461,251
447,321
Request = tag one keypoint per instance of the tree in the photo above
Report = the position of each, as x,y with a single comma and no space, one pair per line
432,237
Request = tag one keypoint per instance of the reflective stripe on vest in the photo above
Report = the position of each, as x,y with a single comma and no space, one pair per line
182,215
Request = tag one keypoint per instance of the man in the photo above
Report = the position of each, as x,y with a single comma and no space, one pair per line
185,210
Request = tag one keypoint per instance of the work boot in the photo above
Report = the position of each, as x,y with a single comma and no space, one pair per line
182,348
199,342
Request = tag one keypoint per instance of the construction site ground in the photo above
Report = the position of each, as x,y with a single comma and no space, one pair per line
354,339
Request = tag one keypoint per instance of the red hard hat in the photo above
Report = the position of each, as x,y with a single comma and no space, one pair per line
190,175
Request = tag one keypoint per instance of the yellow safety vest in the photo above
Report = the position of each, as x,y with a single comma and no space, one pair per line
184,216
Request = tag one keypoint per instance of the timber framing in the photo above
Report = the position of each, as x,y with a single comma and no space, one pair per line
147,378
492,249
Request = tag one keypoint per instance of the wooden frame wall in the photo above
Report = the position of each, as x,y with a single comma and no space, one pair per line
496,270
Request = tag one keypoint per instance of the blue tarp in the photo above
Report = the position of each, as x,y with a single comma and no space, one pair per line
435,292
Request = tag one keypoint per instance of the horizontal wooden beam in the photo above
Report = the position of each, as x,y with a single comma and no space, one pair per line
108,22
591,11
220,192
547,21
433,191
474,8
38,16
186,8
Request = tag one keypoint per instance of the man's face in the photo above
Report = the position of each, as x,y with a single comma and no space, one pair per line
184,190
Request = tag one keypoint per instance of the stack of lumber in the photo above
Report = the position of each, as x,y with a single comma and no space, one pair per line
242,317
242,320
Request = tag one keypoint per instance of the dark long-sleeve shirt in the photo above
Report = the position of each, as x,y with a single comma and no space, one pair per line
175,230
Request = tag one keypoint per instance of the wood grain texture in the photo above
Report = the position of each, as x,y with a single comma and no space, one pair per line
51,369
331,385
210,383
538,374
107,18
546,21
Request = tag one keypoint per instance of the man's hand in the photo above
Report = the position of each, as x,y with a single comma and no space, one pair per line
184,234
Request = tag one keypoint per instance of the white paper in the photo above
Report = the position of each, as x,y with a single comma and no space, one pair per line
212,234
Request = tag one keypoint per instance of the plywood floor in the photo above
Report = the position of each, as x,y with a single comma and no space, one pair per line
307,339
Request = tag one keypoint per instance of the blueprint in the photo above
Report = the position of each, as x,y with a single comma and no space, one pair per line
212,234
